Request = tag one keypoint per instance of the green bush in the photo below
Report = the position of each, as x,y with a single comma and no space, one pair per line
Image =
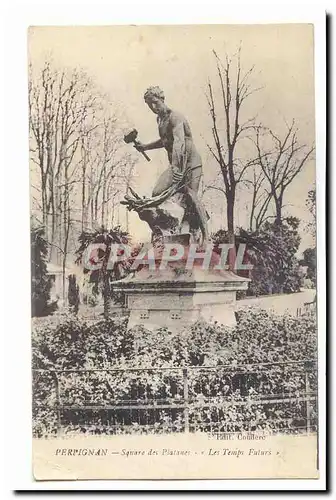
40,281
272,251
258,337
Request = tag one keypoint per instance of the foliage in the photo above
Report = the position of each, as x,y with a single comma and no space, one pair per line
256,338
309,260
272,251
311,205
311,202
103,277
259,337
40,281
74,343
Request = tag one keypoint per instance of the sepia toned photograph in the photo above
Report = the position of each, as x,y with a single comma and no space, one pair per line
173,251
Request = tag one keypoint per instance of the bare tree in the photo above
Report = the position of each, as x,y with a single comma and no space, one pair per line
59,104
260,199
75,144
229,127
281,160
105,162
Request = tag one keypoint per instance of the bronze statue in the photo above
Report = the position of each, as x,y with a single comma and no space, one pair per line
179,182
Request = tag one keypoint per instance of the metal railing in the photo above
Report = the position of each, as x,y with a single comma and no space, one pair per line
180,399
307,308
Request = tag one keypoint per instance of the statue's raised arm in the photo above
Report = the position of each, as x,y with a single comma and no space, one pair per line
179,183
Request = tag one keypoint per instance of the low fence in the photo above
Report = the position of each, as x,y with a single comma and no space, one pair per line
270,397
308,308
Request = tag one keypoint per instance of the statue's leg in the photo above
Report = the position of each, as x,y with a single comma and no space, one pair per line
194,178
164,182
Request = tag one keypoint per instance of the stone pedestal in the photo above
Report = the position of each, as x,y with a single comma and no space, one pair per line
176,297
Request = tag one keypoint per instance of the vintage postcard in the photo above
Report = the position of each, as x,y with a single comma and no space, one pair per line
173,246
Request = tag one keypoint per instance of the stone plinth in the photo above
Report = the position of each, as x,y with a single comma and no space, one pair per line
175,297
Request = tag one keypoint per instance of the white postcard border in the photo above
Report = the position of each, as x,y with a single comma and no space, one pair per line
18,403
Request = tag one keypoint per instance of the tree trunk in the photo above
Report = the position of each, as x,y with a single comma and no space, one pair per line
66,228
65,251
103,196
231,235
107,298
127,220
83,197
278,211
92,212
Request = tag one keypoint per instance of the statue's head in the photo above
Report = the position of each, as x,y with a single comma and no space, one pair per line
155,99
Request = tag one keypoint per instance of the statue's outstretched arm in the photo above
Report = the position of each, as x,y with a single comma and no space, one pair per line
152,145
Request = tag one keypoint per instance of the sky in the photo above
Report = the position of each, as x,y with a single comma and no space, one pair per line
125,60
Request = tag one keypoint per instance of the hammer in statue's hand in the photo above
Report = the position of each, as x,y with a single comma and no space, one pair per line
131,137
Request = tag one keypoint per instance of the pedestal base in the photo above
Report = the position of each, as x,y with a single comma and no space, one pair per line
175,299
